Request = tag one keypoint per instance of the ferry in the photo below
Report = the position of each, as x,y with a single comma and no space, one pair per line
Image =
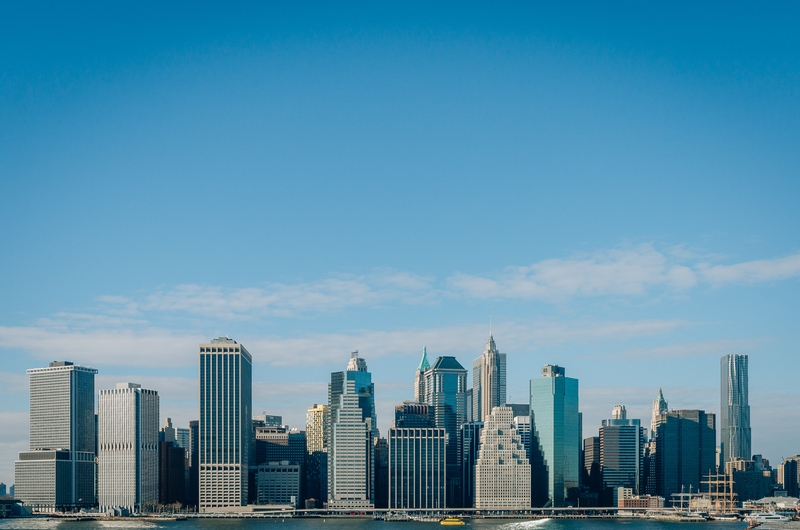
767,517
452,521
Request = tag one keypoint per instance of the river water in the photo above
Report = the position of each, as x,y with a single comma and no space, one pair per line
359,524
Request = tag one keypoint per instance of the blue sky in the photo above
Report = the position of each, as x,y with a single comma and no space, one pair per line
615,185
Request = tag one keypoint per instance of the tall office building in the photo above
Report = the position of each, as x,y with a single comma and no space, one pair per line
417,459
225,426
734,419
317,453
353,427
685,451
419,376
502,472
127,460
622,443
194,464
592,475
488,381
522,424
555,437
469,450
59,470
446,393
789,476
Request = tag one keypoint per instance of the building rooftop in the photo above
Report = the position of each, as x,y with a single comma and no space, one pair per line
447,363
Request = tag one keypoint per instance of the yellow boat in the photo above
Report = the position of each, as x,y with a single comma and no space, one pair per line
451,521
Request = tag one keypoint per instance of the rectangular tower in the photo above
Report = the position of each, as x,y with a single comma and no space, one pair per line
351,434
225,424
555,437
417,459
734,419
127,418
446,393
622,443
58,473
685,451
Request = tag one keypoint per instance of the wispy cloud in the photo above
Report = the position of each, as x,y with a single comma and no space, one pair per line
692,349
277,299
606,272
618,272
148,347
763,270
158,347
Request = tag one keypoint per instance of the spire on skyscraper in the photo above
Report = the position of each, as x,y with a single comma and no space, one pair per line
424,364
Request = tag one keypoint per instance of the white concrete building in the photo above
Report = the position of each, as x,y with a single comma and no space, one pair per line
127,436
502,472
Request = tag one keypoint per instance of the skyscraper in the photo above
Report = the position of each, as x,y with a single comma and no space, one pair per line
225,424
353,427
445,392
734,419
317,452
685,451
58,473
622,443
417,459
502,472
419,376
555,436
488,381
127,462
194,463
469,449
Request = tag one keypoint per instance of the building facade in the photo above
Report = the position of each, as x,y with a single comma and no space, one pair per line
225,424
556,437
352,430
279,483
734,419
685,451
127,460
317,422
622,445
469,450
59,470
502,472
417,459
446,393
488,381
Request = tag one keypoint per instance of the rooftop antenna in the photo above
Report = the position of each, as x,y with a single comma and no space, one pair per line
490,325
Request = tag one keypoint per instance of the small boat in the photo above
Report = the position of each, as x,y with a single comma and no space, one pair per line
452,521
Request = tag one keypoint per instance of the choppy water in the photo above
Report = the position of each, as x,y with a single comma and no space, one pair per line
359,524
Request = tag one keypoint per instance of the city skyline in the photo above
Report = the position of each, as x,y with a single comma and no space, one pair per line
606,189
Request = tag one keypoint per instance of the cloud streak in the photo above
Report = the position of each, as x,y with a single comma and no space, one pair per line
631,272
158,347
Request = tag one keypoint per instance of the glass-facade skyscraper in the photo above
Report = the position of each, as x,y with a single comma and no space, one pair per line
446,393
685,451
417,459
734,418
225,425
555,438
353,428
622,443
59,470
